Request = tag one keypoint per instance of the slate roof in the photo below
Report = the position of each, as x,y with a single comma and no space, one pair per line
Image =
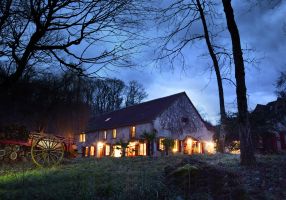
132,115
265,117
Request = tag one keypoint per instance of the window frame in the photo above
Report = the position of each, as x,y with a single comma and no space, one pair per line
114,133
132,132
105,134
161,145
82,137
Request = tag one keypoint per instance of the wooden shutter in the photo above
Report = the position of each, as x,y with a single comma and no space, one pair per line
136,149
83,151
103,150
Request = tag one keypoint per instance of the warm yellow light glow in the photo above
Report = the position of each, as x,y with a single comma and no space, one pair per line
107,149
142,149
99,144
131,150
209,147
86,151
189,141
189,145
117,151
176,146
99,152
132,131
161,145
82,137
92,151
199,148
114,133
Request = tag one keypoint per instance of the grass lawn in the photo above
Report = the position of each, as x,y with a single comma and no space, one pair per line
147,178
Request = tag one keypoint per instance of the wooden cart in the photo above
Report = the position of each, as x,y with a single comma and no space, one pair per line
45,150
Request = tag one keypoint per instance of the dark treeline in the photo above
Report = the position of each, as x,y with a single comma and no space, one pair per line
63,103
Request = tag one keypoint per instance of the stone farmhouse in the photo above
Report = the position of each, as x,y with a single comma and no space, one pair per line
172,117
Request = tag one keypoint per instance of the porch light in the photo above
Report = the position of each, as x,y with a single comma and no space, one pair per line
100,145
209,147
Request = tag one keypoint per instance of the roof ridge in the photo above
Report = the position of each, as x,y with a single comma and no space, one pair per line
139,113
150,101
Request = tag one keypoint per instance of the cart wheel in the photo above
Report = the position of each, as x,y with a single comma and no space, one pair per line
47,151
16,148
13,156
2,153
8,150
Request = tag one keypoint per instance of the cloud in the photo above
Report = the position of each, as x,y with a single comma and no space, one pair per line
261,29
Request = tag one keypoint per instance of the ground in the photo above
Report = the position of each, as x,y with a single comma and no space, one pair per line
173,177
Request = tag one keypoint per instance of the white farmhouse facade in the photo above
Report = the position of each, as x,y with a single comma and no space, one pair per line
173,117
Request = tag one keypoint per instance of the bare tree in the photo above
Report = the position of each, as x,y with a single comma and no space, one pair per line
107,95
189,14
135,93
64,32
5,8
246,147
281,85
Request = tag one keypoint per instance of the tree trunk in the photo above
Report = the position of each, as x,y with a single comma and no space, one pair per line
246,147
222,132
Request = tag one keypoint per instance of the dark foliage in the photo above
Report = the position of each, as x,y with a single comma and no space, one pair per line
281,85
15,132
192,179
60,104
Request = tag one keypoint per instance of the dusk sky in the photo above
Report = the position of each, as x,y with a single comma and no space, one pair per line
262,28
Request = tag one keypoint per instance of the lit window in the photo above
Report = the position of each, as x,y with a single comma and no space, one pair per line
86,151
104,135
176,146
99,150
117,151
91,151
131,150
82,137
107,149
132,132
142,149
114,133
161,145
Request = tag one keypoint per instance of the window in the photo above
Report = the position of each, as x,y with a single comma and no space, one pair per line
91,151
99,150
185,120
86,151
107,150
132,131
142,149
176,146
104,135
114,133
132,147
82,137
117,151
161,145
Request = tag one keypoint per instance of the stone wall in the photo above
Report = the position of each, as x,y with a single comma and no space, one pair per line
181,120
122,133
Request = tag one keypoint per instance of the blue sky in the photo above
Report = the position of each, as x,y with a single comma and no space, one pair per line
261,27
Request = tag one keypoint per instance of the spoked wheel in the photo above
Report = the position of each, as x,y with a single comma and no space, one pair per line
47,151
2,154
